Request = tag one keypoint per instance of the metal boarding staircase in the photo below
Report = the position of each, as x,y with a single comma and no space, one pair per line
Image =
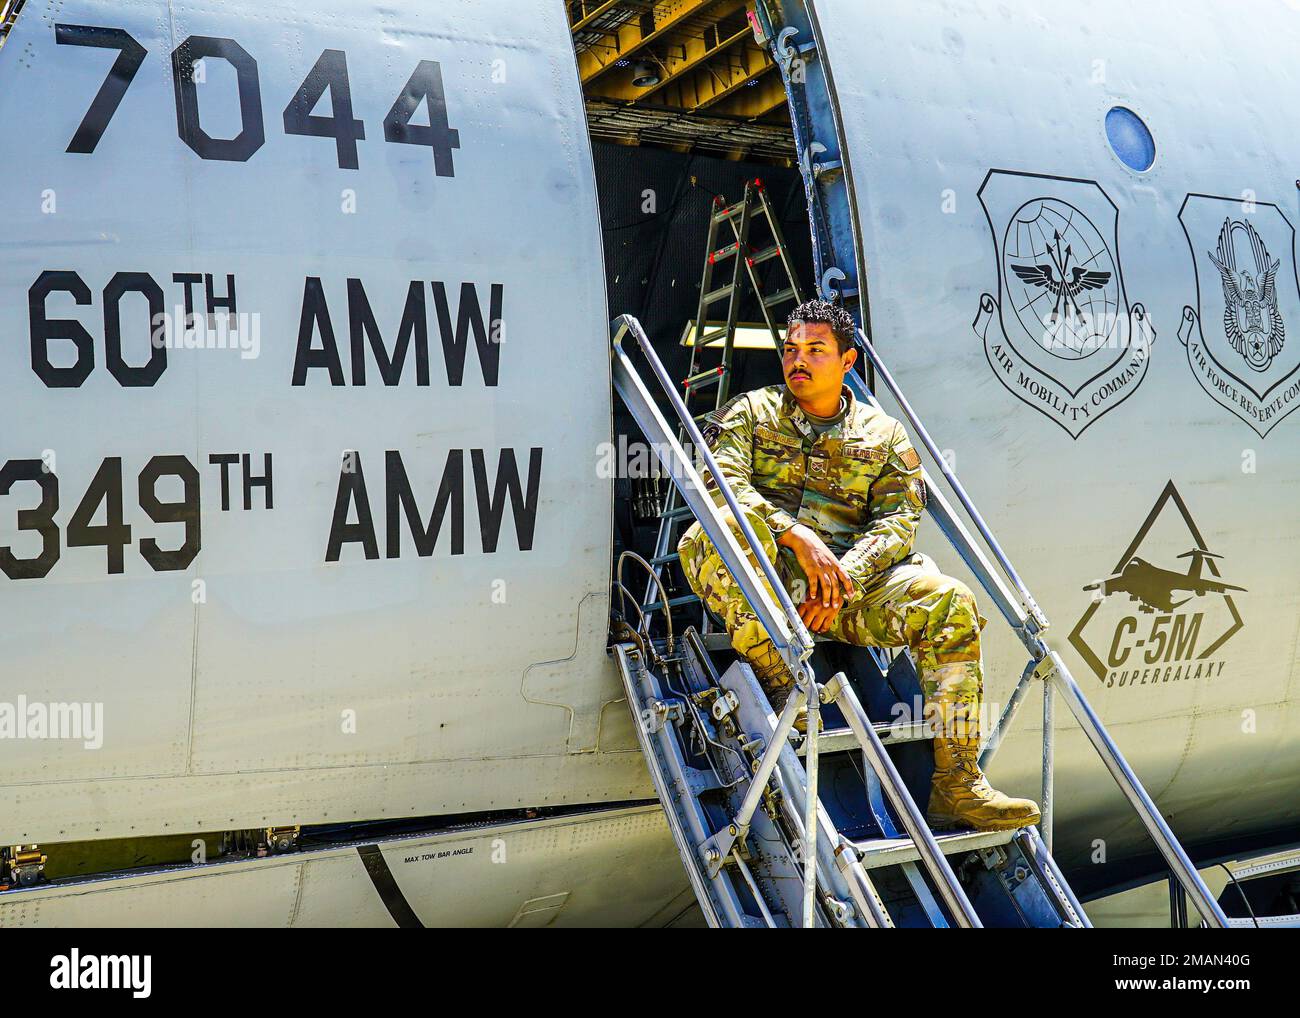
778,830
701,380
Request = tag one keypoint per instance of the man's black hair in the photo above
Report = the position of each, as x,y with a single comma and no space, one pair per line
810,312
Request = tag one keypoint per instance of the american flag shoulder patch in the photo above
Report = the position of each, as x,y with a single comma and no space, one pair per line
711,423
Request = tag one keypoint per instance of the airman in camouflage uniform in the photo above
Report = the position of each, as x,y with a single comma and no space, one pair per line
856,483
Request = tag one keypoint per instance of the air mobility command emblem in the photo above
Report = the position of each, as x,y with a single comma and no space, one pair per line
1065,341
1243,253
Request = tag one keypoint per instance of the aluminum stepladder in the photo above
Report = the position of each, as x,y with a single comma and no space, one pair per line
760,846
740,218
700,381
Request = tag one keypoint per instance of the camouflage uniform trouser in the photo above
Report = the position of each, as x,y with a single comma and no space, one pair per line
910,604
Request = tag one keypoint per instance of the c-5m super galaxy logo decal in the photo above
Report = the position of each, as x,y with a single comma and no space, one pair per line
1068,343
1164,611
1246,293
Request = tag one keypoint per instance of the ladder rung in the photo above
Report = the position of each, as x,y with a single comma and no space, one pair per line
776,298
713,296
705,378
723,253
894,851
766,255
709,337
678,513
661,560
654,606
730,212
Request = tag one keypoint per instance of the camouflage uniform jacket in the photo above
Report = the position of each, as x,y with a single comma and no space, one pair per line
858,485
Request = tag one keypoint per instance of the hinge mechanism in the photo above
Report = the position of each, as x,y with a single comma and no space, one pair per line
23,866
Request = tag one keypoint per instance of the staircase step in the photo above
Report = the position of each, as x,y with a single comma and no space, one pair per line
894,851
837,740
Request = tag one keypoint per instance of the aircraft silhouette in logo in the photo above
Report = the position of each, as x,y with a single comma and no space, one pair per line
1153,588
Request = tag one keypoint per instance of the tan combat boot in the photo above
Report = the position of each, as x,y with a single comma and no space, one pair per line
774,676
960,795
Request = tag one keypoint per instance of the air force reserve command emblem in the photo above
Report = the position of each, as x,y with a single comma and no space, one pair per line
1246,297
1066,340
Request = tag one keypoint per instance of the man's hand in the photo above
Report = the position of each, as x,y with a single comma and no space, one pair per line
828,583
